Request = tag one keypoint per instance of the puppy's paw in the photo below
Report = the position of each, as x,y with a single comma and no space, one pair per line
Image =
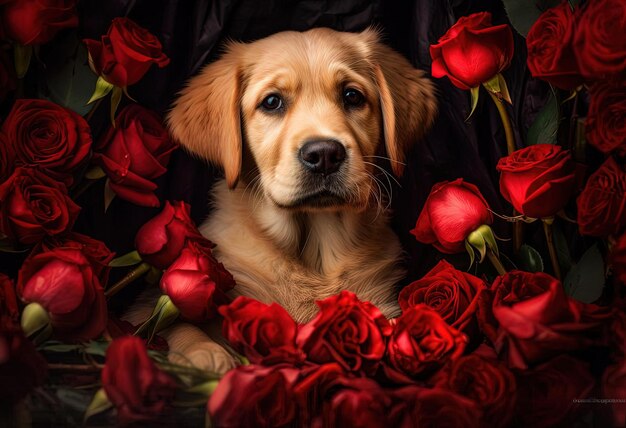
207,356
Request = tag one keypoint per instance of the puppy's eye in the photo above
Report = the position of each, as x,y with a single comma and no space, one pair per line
353,98
272,102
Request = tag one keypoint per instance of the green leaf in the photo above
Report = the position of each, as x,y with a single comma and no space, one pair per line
524,13
585,280
109,195
67,79
95,173
546,124
97,348
116,97
100,403
562,250
129,259
529,259
22,55
7,247
102,90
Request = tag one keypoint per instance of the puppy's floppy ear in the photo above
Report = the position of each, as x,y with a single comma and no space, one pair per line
206,119
407,100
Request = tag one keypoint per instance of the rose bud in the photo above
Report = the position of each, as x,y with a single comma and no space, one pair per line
602,204
422,342
197,283
125,54
486,381
599,41
161,240
34,22
133,153
33,205
550,53
614,386
255,396
347,331
63,283
265,334
548,394
48,136
472,51
450,292
605,125
451,213
537,320
537,180
138,389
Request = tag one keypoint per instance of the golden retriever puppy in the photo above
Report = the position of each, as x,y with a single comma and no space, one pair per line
302,125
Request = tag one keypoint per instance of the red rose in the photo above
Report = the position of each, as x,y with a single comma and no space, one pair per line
450,292
255,396
605,124
617,258
472,51
265,334
452,211
547,394
537,320
33,22
537,180
486,381
32,205
347,331
197,283
7,158
614,388
8,79
550,53
602,204
64,283
139,390
125,54
133,153
48,136
618,334
599,42
422,342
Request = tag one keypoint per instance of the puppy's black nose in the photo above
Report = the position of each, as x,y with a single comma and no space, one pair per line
323,157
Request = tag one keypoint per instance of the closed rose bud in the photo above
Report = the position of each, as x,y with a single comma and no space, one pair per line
161,240
138,389
126,53
197,283
537,180
63,282
452,211
472,51
134,153
33,205
33,22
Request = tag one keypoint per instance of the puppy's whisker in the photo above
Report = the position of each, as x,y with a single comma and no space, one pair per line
385,173
385,158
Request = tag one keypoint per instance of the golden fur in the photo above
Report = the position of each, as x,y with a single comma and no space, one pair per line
280,246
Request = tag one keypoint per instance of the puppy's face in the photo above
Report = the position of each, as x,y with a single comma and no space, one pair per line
314,110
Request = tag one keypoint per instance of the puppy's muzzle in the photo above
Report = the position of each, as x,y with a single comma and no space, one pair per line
322,156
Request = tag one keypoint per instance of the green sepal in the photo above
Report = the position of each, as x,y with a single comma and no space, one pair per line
471,253
481,239
116,97
100,403
474,93
95,173
205,389
153,276
22,55
497,86
102,89
35,322
109,195
129,259
163,315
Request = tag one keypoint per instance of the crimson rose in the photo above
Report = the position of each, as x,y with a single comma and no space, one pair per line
537,180
255,396
139,390
450,292
550,54
617,258
347,331
48,136
33,22
64,283
133,153
265,334
452,211
599,42
197,283
125,54
614,386
33,205
422,342
472,51
537,320
602,204
7,158
605,124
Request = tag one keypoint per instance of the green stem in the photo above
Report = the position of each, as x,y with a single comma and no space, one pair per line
547,229
506,122
133,275
96,104
495,261
518,233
